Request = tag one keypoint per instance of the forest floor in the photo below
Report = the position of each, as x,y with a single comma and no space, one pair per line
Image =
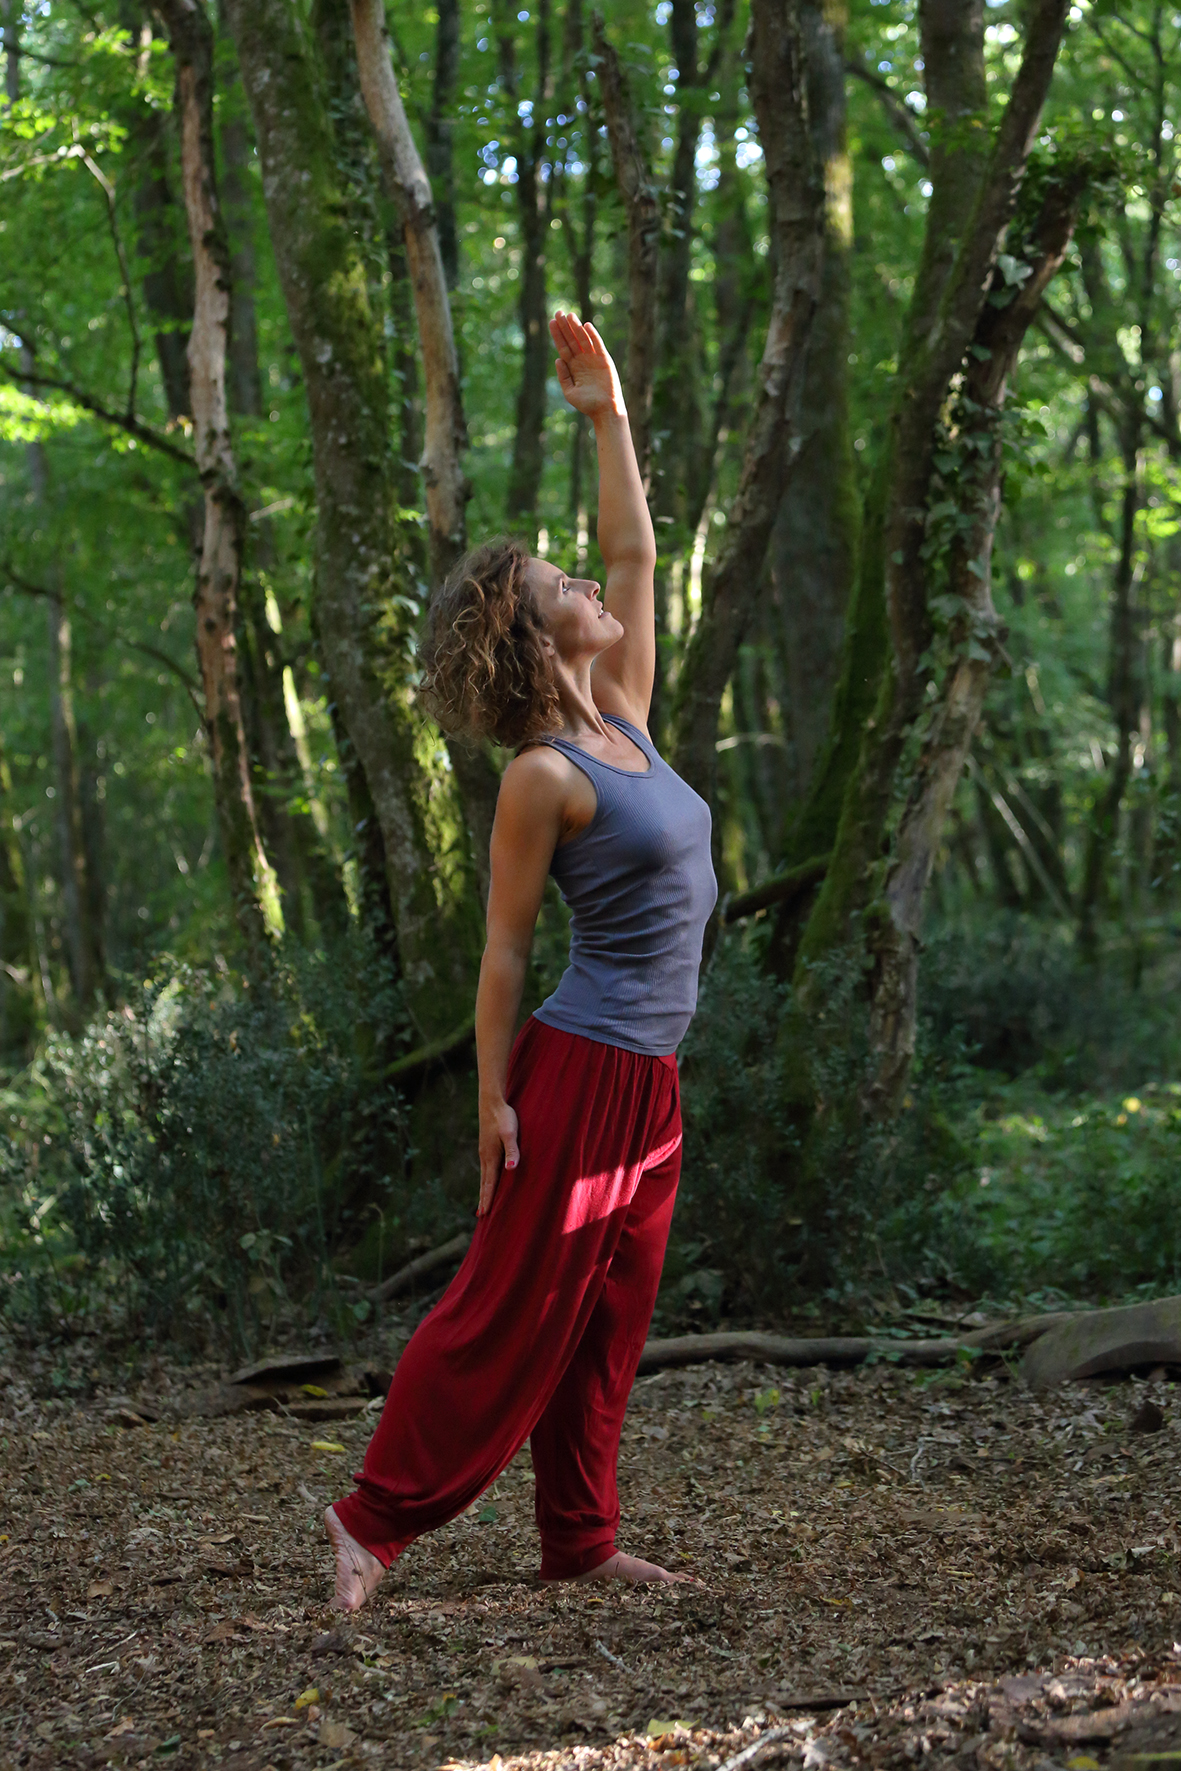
891,1567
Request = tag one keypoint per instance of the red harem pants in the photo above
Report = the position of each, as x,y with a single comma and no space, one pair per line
540,1332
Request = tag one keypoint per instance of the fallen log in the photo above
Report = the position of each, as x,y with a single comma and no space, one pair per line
1096,1341
776,1349
445,1255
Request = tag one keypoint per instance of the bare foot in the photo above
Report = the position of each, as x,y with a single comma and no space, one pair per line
357,1570
621,1567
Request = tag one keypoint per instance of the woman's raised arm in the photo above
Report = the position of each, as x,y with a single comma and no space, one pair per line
622,677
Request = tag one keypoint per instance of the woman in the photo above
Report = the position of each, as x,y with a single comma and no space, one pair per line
540,1333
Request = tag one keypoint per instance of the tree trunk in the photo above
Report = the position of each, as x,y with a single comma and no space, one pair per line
580,240
447,488
83,938
18,951
634,178
160,239
976,633
10,14
338,337
978,177
533,194
252,880
439,126
294,840
1124,697
814,544
797,223
244,387
83,935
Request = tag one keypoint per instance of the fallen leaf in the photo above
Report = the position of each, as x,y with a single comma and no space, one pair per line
335,1734
656,1728
125,1726
99,1589
326,1445
221,1537
282,1722
311,1695
1082,1762
312,1390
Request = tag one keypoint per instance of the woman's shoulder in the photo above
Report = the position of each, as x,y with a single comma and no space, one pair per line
535,768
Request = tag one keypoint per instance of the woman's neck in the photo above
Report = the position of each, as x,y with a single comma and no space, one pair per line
580,717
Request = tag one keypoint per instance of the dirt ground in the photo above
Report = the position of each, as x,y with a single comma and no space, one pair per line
893,1567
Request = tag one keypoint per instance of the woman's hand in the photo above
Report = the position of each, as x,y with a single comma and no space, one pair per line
498,1142
586,373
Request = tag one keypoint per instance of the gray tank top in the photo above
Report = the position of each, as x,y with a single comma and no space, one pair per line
640,885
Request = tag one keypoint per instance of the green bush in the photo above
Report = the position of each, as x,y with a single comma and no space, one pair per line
1020,996
772,1221
211,1144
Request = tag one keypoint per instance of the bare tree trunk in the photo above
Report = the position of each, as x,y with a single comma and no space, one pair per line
797,222
634,178
579,236
439,126
160,240
447,489
1124,698
252,879
338,338
10,13
533,195
976,635
18,950
244,381
83,938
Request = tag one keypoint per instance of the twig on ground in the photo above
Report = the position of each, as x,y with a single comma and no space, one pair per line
756,1746
613,1658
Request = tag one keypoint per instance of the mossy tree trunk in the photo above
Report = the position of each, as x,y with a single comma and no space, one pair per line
252,878
302,863
642,208
797,224
338,336
974,438
813,550
445,430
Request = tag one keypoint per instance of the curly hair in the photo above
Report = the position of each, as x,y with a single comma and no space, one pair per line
485,668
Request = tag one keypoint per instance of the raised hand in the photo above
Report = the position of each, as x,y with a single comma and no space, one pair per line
586,373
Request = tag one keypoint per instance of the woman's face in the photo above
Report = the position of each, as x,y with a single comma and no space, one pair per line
571,612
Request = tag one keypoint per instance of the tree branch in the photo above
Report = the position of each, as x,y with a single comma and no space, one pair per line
897,109
117,420
27,588
108,190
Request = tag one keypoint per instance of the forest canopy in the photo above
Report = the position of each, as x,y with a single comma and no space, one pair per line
895,294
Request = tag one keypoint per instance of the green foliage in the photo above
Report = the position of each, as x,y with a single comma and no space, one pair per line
767,1216
208,1146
